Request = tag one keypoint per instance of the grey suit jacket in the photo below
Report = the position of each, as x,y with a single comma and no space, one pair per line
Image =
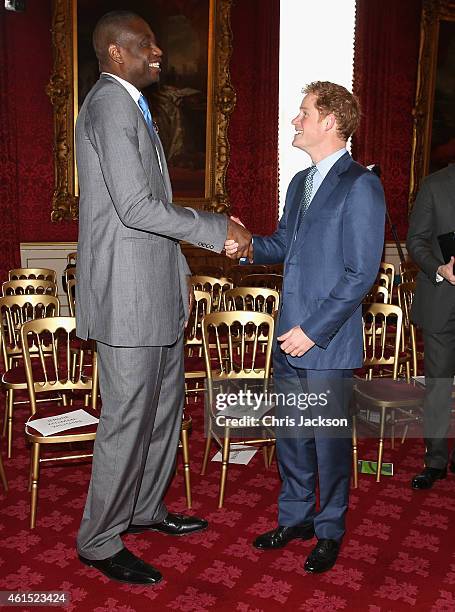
131,274
433,214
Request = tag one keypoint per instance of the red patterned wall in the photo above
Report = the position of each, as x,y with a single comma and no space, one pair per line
386,57
28,65
253,134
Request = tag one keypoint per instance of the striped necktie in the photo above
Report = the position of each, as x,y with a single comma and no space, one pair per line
306,195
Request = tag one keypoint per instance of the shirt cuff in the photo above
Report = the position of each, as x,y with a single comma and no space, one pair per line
439,278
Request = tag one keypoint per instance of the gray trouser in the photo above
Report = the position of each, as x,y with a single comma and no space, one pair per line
142,391
439,361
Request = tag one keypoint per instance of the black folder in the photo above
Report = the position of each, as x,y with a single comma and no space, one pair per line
447,244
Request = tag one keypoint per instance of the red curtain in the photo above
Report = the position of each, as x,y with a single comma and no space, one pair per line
252,178
9,202
385,72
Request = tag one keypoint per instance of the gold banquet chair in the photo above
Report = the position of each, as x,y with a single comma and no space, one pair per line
29,287
382,394
377,294
405,296
71,296
266,281
255,299
215,286
243,329
33,273
14,311
52,338
193,347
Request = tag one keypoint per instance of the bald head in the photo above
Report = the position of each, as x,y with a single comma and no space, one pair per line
111,28
126,47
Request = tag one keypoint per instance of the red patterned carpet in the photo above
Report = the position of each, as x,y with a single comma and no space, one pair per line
399,552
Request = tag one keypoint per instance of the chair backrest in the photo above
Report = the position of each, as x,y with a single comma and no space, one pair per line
377,294
54,340
29,287
267,281
405,296
233,344
238,272
382,326
71,295
389,269
16,310
202,306
214,286
256,299
37,273
71,258
70,273
408,271
384,281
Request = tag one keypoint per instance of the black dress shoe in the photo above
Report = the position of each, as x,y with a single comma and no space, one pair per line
279,537
322,557
125,567
428,477
173,524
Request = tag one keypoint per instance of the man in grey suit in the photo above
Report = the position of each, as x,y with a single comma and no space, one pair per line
132,298
433,309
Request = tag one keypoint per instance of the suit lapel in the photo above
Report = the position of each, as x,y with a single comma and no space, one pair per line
157,147
322,195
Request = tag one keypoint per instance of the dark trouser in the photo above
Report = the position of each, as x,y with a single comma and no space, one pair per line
439,362
307,453
142,390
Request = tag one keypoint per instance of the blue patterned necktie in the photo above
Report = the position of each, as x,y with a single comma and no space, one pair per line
306,195
143,105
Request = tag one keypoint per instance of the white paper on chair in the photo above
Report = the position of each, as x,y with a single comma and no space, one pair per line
239,454
62,422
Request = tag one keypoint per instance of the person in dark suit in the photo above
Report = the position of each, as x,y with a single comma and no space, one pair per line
132,298
433,309
330,238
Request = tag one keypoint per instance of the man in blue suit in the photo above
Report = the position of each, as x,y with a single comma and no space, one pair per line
330,238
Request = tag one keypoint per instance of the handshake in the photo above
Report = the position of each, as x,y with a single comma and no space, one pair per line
238,240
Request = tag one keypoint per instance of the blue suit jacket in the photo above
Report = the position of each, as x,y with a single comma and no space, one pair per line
330,264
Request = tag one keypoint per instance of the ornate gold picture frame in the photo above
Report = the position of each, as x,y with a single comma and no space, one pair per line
433,143
63,92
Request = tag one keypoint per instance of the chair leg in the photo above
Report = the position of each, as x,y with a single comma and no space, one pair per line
355,466
381,446
265,454
208,444
186,466
3,475
5,416
35,479
392,430
224,466
405,433
10,422
272,453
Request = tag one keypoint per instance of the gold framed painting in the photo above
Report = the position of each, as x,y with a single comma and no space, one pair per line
433,143
191,104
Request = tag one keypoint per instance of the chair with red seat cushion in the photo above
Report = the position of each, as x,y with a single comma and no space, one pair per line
388,396
59,375
234,366
14,311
